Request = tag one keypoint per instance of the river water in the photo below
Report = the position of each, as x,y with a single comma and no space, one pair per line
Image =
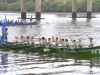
58,25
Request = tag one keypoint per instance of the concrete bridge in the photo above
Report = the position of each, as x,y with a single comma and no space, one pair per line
38,9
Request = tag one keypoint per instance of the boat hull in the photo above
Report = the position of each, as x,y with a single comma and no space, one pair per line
94,51
16,24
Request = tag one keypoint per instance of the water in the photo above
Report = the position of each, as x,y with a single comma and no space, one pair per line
62,26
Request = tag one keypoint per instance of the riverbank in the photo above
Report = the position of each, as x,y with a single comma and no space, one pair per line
69,15
47,12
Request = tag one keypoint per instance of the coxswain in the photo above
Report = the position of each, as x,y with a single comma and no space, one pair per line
6,34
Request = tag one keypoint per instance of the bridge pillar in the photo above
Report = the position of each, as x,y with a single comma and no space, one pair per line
74,8
38,9
89,9
23,9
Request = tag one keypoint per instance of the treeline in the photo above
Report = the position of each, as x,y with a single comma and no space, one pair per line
48,6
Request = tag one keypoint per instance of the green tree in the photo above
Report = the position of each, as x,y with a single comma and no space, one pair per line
48,6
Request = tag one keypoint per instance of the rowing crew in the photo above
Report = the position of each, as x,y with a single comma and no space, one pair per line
52,42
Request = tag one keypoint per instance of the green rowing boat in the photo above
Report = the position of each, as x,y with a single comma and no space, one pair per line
15,46
93,51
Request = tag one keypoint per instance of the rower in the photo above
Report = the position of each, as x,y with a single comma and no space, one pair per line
40,41
55,41
67,43
80,45
91,41
63,43
22,40
27,41
16,41
32,40
49,42
44,41
75,43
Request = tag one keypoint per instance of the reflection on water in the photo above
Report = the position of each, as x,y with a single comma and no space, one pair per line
60,25
3,63
49,64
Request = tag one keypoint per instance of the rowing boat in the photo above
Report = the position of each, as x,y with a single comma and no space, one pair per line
16,24
15,46
93,51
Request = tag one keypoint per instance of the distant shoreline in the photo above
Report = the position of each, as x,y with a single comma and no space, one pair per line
47,12
69,15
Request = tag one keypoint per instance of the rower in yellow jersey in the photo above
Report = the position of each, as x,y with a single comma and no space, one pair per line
6,34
